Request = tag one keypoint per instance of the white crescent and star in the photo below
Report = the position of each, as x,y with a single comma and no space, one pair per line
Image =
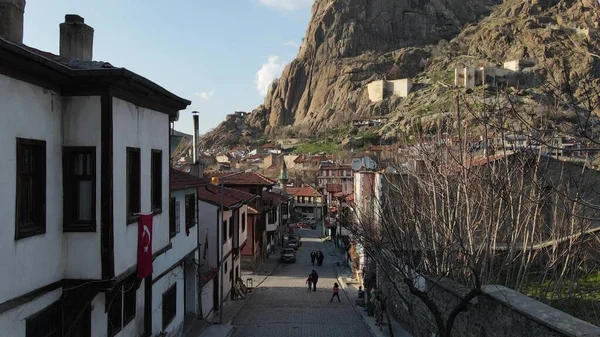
146,232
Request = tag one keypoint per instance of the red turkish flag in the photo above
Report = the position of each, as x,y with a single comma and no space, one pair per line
144,253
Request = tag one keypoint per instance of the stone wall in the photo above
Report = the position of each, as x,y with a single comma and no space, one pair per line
499,312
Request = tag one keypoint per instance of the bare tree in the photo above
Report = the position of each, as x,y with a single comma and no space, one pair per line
510,216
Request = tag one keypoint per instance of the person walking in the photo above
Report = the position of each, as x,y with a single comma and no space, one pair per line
320,258
336,292
309,281
313,256
315,279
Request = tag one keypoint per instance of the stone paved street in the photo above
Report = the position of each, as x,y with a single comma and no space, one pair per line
281,306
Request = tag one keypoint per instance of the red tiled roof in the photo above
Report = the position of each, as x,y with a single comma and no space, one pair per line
275,197
231,197
180,180
305,191
245,179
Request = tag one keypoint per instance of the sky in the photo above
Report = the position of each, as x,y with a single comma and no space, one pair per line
220,54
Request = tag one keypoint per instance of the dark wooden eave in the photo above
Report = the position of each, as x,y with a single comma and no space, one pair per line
18,62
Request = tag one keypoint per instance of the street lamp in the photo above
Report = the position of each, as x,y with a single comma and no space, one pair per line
215,181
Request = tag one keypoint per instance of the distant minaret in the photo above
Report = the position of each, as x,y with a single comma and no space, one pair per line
283,179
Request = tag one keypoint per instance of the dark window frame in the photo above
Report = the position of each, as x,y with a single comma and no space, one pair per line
70,192
190,210
231,229
37,180
133,207
49,315
243,222
156,179
174,220
224,229
114,312
121,305
169,297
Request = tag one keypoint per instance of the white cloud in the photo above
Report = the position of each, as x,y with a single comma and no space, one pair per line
267,73
291,43
286,5
205,95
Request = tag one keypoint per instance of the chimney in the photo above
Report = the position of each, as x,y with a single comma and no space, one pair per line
195,167
11,20
76,38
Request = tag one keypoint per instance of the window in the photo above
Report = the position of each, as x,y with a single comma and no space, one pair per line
156,177
173,217
31,188
79,189
45,323
272,215
284,208
190,211
133,184
169,306
230,221
225,269
224,229
121,302
243,222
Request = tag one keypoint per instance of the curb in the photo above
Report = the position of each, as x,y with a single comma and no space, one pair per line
350,300
230,322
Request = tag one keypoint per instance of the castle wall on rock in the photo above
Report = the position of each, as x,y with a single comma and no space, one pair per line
380,89
498,312
470,77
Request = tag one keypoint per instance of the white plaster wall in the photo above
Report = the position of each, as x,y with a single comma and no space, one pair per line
176,276
99,318
207,223
31,112
375,90
145,129
207,298
182,244
12,322
81,127
243,216
229,243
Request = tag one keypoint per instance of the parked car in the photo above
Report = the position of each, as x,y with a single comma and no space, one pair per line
296,237
288,255
304,225
292,244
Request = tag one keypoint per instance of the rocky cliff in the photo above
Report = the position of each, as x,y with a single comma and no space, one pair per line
350,43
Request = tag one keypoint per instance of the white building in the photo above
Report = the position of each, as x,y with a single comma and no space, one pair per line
227,236
85,150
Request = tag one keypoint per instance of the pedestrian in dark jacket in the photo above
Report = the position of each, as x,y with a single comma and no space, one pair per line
320,258
313,256
315,279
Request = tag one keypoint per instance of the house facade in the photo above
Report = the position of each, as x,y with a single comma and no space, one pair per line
86,152
224,227
307,201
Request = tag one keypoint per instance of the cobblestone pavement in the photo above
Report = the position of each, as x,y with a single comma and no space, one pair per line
281,306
